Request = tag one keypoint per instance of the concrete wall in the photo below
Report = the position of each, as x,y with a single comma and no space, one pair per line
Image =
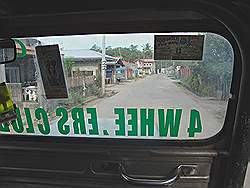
26,68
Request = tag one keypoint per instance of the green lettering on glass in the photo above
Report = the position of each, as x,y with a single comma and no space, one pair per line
120,121
147,122
62,127
23,47
18,123
195,123
172,122
93,121
78,121
30,128
44,128
133,122
4,127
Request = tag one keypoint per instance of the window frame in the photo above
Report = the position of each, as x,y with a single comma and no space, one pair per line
224,133
149,141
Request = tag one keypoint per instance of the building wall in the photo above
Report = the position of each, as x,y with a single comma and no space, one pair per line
86,66
81,69
28,70
185,72
23,68
146,67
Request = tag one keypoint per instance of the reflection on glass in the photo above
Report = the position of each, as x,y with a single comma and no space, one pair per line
144,97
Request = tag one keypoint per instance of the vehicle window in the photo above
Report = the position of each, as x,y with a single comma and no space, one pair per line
124,92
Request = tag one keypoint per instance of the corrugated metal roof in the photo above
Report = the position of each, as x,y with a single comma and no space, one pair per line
80,53
111,62
86,54
147,60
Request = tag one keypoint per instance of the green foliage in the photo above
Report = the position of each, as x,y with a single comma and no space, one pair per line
147,51
130,54
98,79
215,71
68,64
93,90
194,84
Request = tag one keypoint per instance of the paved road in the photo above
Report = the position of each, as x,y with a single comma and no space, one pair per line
158,91
155,91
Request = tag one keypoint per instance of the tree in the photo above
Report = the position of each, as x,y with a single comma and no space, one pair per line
130,54
215,71
134,53
147,51
133,47
68,64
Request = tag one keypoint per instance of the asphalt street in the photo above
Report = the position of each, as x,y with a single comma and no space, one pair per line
153,92
158,91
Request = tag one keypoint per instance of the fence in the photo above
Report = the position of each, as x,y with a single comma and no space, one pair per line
83,81
79,88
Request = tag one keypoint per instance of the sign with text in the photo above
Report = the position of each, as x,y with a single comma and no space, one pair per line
84,122
52,73
178,47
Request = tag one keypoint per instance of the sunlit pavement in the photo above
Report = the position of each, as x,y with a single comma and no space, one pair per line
158,91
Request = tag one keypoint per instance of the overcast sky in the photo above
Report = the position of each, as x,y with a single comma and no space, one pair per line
87,41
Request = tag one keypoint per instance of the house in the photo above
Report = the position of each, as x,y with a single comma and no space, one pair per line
23,69
88,63
111,71
131,69
183,71
20,75
146,66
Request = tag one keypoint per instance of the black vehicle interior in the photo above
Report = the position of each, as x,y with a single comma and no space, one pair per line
220,161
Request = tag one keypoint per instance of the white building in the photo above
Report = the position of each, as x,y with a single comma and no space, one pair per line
146,66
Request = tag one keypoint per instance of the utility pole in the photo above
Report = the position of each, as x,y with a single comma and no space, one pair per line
103,65
40,89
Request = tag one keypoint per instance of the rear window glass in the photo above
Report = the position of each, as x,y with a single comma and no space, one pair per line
143,86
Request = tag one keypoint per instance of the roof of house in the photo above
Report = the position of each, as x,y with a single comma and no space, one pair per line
148,60
111,62
86,54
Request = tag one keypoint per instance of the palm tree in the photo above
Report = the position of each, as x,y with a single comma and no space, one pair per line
147,51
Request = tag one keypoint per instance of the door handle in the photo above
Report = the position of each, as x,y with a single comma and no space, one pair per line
171,178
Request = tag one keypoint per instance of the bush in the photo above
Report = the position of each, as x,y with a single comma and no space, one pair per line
93,89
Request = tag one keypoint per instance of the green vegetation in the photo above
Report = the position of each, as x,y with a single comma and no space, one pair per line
130,54
212,76
68,64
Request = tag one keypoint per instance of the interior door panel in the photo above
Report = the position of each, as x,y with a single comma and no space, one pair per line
53,162
84,168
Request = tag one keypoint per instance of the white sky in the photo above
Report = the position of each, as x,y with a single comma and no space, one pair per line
87,41
113,40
